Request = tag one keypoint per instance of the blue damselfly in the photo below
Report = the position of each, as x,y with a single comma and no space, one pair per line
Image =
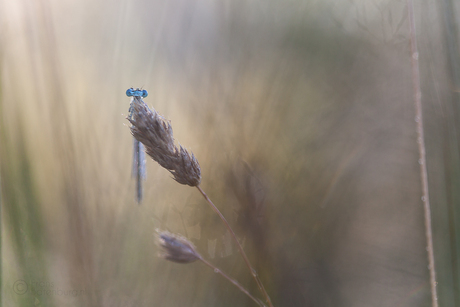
139,170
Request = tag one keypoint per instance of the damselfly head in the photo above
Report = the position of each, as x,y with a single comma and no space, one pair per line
136,92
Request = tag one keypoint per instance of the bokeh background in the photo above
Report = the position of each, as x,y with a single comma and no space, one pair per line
301,115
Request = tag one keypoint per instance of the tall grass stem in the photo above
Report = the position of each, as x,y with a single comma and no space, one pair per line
422,150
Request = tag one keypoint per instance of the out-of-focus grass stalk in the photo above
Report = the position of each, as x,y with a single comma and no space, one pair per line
422,150
452,153
22,214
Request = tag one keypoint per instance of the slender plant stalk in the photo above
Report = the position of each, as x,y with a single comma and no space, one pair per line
422,151
240,248
217,270
155,132
179,249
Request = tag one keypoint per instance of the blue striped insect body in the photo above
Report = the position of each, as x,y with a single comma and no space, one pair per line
139,170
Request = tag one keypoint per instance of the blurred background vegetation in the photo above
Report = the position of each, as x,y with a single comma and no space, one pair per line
301,115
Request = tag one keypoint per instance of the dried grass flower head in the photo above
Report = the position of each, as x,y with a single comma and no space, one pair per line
177,248
155,132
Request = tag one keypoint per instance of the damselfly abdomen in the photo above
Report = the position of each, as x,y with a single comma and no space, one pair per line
139,170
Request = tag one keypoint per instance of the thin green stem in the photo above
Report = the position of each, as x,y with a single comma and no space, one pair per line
240,248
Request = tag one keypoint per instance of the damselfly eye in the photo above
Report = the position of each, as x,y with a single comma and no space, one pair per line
130,92
144,93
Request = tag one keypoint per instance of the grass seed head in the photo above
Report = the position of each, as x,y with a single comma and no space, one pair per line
155,132
177,248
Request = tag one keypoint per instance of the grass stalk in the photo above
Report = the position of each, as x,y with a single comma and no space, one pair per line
242,289
179,249
422,151
155,132
240,248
